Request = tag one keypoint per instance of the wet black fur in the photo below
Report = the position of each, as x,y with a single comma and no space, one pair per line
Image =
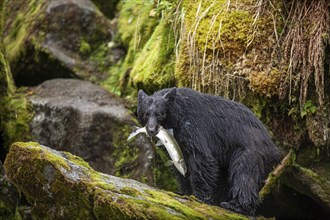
227,150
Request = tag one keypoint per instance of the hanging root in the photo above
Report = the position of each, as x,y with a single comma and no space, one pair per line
308,29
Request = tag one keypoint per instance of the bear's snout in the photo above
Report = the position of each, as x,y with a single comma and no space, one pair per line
152,126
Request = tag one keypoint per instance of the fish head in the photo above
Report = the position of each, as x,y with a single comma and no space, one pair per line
152,111
181,167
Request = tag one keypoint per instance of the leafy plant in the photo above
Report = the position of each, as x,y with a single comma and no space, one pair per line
308,109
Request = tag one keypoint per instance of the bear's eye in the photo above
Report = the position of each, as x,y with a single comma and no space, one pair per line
160,115
147,114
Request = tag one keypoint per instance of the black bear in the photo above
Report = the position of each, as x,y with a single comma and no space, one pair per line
227,150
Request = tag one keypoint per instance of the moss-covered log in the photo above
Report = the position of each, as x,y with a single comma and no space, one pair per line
60,185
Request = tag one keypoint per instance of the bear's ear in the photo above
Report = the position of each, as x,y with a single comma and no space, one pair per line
170,95
142,95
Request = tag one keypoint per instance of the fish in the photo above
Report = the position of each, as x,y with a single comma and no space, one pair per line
160,143
136,132
170,144
173,149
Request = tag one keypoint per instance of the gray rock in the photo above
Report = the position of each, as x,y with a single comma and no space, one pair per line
86,120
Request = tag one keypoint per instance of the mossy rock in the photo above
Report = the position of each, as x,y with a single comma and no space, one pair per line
16,115
223,44
60,185
14,112
59,39
154,69
136,23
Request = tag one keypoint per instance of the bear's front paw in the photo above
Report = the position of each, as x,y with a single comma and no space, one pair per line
233,206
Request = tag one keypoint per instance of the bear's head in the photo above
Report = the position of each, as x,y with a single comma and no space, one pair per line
152,111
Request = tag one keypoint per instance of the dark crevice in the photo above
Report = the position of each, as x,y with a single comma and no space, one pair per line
287,203
36,67
3,152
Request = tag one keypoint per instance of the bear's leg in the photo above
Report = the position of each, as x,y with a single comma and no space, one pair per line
185,186
204,176
244,178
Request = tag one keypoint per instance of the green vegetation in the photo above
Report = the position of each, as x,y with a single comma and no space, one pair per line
145,29
124,154
15,119
222,47
135,26
154,68
237,49
18,35
85,48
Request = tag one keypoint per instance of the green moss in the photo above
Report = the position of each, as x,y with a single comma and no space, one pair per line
17,36
125,207
130,191
84,48
53,158
19,31
77,160
6,213
164,199
114,83
15,118
124,153
99,183
223,43
154,69
47,184
100,55
136,23
266,84
189,207
6,82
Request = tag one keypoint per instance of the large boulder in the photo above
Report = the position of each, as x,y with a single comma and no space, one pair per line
59,38
60,185
86,120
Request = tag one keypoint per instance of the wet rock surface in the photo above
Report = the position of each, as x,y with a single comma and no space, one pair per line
86,120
